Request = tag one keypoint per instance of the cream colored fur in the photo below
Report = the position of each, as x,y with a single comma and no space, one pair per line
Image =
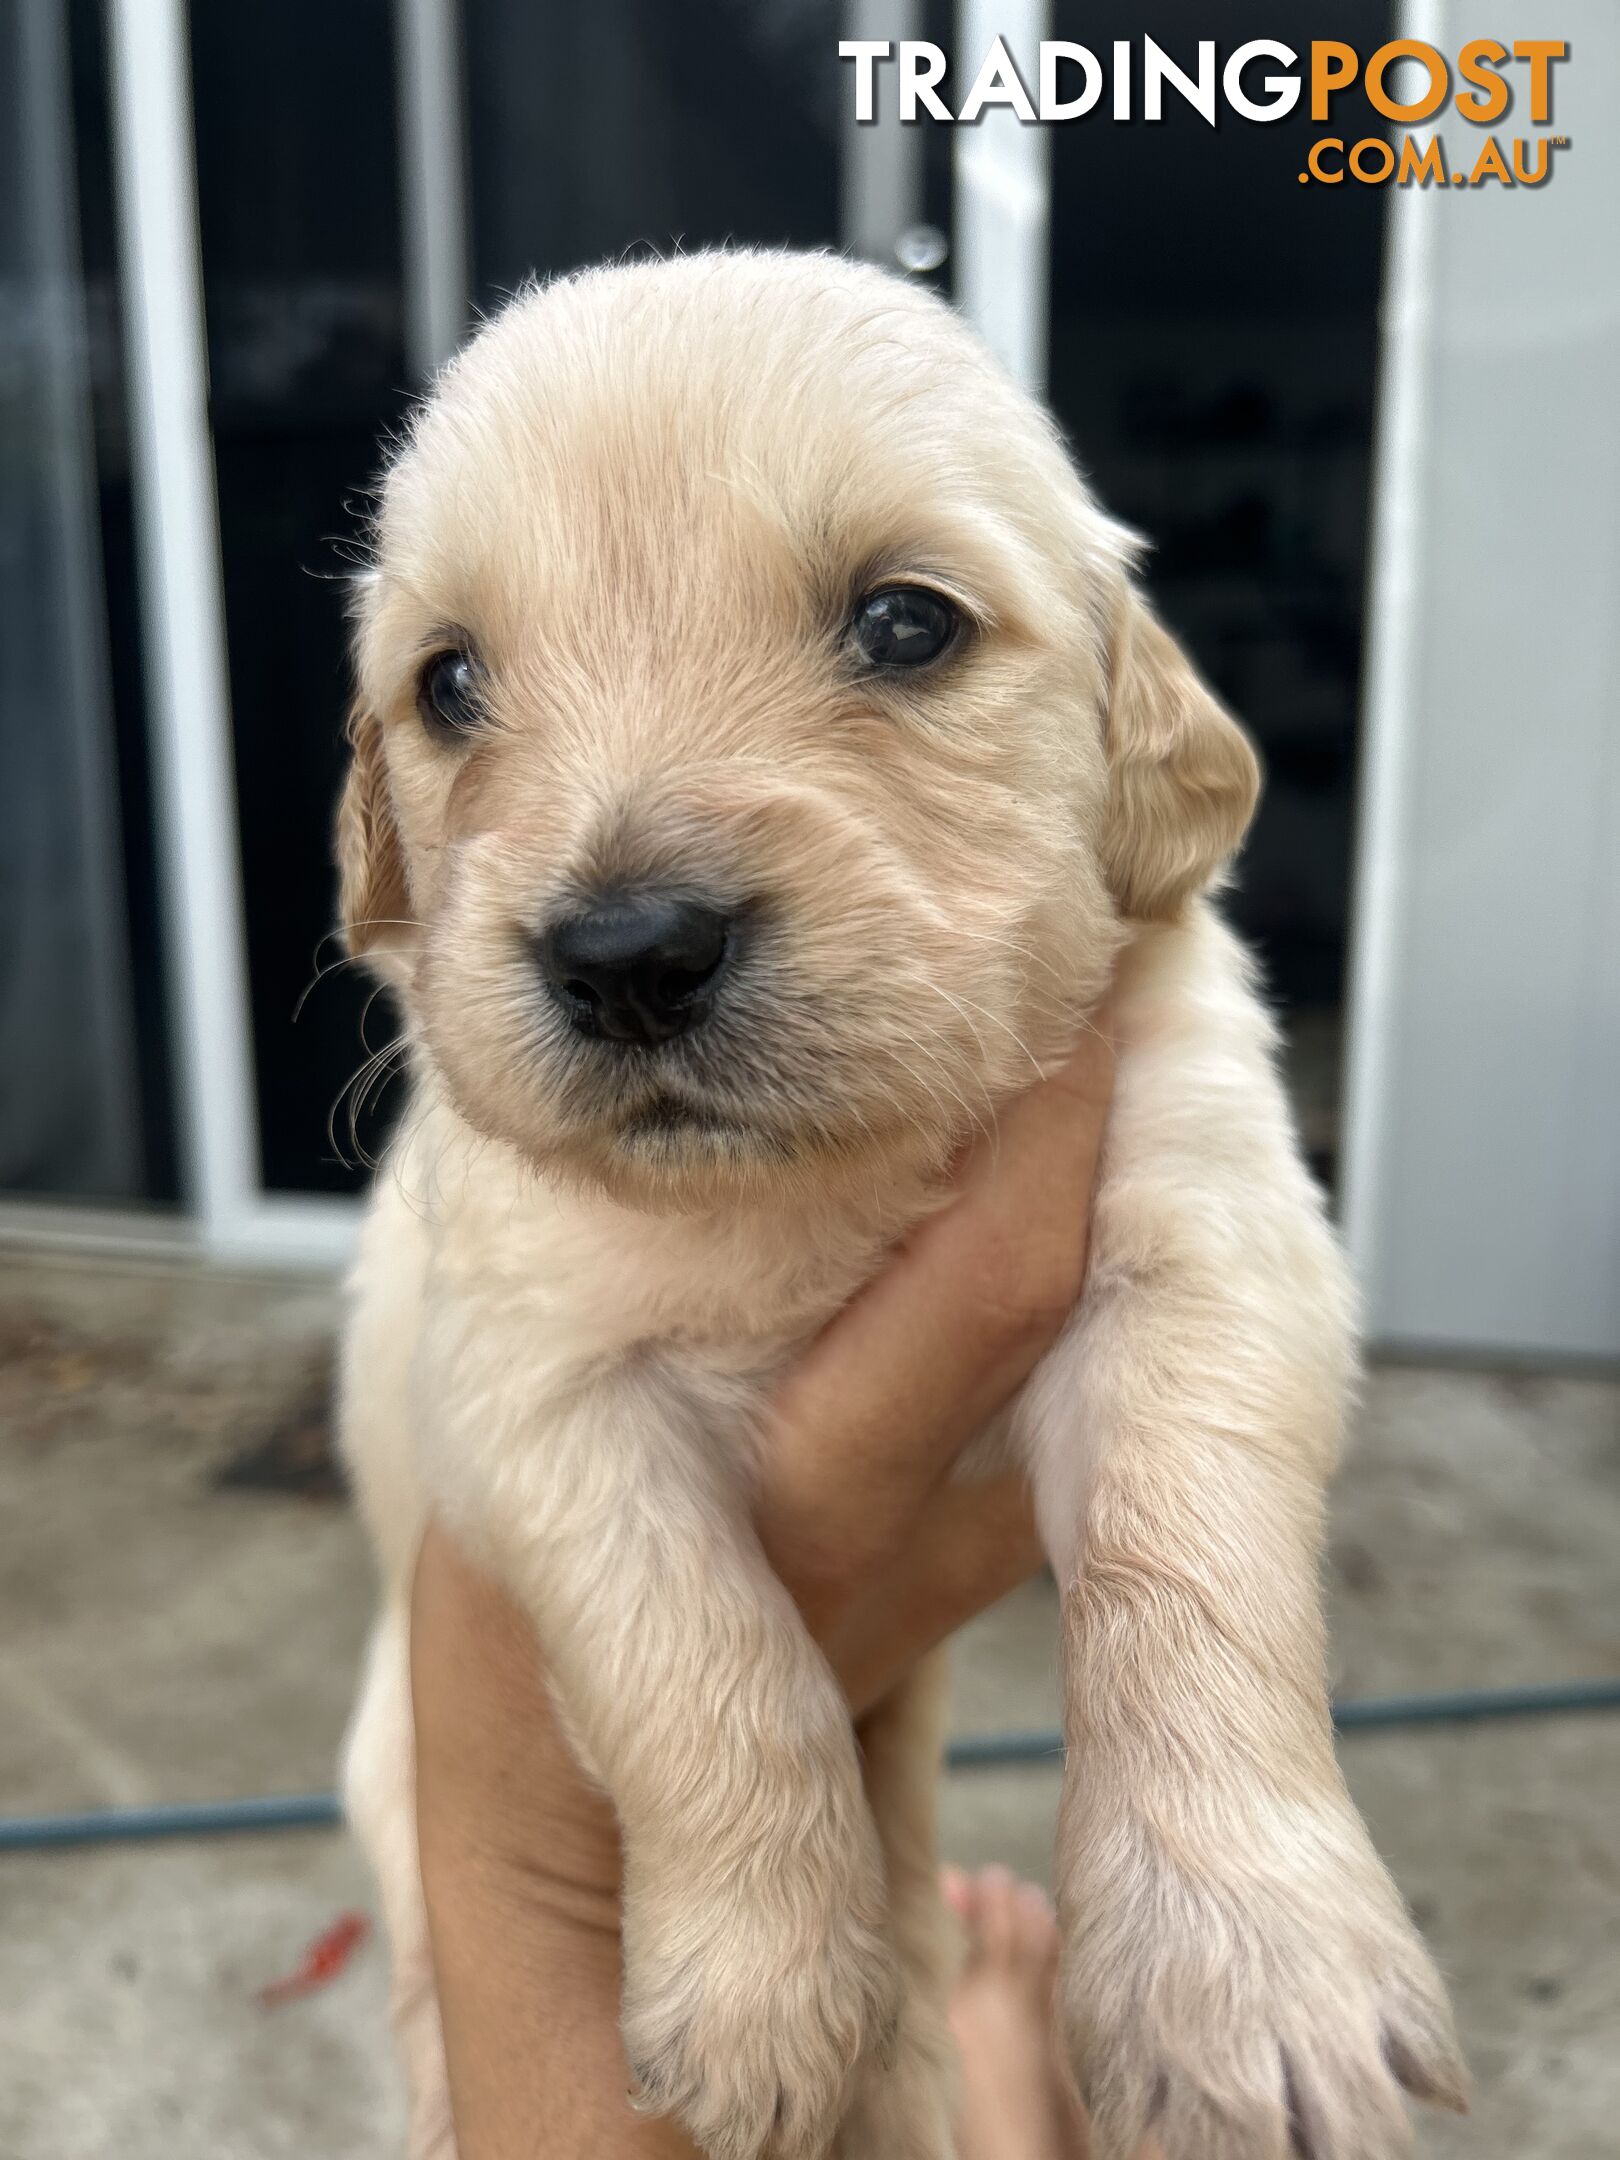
651,496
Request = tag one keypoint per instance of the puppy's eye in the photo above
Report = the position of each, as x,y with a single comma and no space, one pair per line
902,626
449,693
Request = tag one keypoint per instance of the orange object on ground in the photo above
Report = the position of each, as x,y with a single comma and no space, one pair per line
325,1958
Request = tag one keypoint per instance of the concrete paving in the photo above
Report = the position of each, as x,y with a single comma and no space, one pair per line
162,1636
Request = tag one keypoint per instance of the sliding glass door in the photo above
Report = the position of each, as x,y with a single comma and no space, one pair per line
83,1111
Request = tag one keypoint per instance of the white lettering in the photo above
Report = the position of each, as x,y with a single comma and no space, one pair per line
921,66
1158,69
997,83
1054,52
866,53
1282,91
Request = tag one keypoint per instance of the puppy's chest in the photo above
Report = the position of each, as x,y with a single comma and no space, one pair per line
579,1298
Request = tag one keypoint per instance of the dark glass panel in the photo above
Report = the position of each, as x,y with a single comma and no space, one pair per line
1214,357
298,194
595,129
85,1114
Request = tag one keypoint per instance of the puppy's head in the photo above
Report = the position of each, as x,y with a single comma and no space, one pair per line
759,746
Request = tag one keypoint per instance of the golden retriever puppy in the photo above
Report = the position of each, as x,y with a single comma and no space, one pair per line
762,764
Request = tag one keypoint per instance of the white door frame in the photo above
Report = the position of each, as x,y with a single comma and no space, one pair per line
1003,176
226,1210
1482,1140
881,175
1388,715
183,616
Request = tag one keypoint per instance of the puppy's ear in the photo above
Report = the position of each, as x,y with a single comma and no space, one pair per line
1183,779
374,902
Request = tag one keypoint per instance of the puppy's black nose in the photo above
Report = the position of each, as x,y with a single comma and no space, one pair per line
637,967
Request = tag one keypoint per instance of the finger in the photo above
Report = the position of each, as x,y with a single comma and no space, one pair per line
970,1547
922,1360
472,1653
490,1754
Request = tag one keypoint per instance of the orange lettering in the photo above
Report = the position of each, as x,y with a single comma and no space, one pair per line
1541,53
1477,63
1313,158
1408,49
1489,165
1381,150
1423,165
1325,76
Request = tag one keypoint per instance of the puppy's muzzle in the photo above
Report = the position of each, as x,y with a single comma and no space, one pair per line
637,966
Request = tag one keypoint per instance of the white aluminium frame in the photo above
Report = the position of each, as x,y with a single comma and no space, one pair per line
227,1212
881,163
183,615
1003,174
433,180
1383,838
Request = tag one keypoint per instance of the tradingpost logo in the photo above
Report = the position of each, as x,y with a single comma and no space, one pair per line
1406,81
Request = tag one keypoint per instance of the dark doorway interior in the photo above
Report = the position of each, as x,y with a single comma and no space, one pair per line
85,1111
597,130
298,193
1214,361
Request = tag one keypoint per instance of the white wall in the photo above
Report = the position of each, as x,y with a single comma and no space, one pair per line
1483,1144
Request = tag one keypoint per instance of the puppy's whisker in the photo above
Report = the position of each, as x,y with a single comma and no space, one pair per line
358,1093
320,975
1020,951
984,1060
977,1124
934,990
365,1015
351,1101
972,1119
366,1099
382,1072
348,960
995,1019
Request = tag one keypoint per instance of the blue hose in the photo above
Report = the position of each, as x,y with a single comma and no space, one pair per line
185,1818
980,1751
1469,1705
976,1751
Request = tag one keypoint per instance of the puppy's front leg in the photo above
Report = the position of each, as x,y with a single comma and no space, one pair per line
1240,1975
756,1968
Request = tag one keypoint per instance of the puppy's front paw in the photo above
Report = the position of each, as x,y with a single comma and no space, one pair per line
745,2017
1257,1995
